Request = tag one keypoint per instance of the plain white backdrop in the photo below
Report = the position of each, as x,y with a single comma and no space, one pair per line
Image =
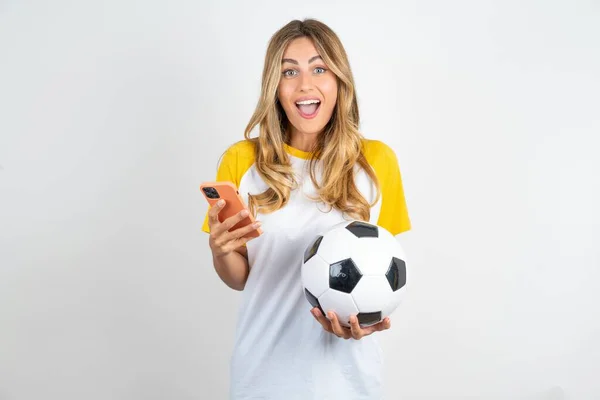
113,112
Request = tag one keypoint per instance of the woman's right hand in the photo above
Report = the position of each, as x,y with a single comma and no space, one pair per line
222,242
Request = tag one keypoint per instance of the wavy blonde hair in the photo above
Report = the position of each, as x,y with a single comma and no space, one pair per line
339,146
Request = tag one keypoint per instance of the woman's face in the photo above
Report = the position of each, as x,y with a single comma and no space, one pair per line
307,89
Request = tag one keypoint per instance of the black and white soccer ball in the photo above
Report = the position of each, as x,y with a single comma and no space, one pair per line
355,268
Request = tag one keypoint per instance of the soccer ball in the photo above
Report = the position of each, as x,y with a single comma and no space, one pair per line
355,268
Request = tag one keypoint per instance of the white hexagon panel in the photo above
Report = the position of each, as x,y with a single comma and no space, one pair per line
315,275
394,301
371,255
336,244
371,295
339,302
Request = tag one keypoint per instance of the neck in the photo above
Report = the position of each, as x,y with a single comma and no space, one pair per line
303,141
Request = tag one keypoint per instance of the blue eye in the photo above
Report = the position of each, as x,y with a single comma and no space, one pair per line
322,69
287,72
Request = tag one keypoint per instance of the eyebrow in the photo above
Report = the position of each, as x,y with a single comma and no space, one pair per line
292,61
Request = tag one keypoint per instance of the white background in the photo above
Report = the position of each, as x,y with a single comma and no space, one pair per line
112,113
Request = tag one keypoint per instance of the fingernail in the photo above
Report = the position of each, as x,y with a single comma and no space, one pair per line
244,213
256,224
329,315
220,202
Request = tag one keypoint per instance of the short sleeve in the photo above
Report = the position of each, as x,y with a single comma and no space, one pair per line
393,215
227,171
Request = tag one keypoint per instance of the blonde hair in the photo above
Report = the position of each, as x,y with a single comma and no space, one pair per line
339,146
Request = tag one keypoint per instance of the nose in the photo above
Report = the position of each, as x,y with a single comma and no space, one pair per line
305,83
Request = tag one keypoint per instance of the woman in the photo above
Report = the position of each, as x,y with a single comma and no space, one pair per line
309,169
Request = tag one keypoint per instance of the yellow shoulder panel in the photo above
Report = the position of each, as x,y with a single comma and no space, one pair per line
394,213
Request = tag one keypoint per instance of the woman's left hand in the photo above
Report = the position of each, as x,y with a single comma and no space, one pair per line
332,325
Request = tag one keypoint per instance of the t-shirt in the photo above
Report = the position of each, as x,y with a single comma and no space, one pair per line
280,350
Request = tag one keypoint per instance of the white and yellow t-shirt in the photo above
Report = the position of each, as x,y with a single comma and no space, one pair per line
281,351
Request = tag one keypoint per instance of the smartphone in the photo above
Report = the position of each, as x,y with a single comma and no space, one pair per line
214,191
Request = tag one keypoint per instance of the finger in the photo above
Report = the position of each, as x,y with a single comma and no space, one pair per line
386,323
236,238
231,221
383,325
337,328
241,232
222,230
237,243
321,319
380,326
356,330
213,213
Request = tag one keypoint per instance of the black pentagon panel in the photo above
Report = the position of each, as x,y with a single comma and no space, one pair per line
362,229
344,275
369,318
396,273
313,300
312,249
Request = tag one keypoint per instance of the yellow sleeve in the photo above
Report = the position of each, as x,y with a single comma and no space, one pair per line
394,213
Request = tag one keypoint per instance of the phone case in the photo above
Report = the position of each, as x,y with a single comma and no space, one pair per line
234,203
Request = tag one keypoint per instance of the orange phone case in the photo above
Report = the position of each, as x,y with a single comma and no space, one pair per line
234,203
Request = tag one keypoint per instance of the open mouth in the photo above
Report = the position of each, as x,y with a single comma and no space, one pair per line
308,108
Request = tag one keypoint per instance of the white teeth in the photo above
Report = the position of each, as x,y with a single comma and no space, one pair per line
308,102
